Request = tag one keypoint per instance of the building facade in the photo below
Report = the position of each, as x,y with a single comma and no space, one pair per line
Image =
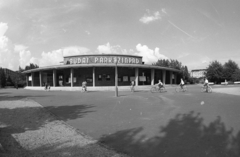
198,73
100,70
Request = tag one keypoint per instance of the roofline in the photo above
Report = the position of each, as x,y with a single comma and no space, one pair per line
99,65
198,69
103,55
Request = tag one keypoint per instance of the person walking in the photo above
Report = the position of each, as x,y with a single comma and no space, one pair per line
132,86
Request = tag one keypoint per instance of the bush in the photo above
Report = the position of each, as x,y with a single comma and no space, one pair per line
230,82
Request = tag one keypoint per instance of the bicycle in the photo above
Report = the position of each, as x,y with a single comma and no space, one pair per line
179,89
132,88
207,89
84,89
155,89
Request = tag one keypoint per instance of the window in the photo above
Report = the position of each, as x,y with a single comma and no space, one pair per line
108,78
99,77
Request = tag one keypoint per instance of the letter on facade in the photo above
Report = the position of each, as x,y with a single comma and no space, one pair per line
79,60
96,60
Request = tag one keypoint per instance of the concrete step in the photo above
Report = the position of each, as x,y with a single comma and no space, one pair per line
98,88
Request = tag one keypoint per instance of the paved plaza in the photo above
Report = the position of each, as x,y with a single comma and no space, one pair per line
148,124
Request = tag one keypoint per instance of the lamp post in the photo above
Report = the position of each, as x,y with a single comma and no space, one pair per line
116,79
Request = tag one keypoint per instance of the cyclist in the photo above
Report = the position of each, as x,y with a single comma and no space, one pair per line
84,86
181,83
159,84
132,85
206,84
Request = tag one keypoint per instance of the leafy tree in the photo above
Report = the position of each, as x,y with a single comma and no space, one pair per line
2,78
236,75
31,66
229,68
9,81
214,72
176,65
20,69
20,81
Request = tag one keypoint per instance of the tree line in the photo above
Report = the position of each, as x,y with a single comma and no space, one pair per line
175,64
217,72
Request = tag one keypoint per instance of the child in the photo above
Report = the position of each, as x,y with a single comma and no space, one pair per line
159,84
132,86
181,83
84,86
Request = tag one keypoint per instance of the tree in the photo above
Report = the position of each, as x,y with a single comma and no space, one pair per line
31,66
176,65
214,72
20,69
236,75
9,81
2,78
229,68
20,81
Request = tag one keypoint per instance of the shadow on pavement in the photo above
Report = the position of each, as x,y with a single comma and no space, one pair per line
69,112
20,120
13,98
184,136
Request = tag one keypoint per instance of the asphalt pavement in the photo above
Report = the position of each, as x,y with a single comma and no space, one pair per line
146,124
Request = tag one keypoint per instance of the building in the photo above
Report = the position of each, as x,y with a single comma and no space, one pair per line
100,70
198,73
10,73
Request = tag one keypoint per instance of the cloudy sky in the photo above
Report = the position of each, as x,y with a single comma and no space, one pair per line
194,32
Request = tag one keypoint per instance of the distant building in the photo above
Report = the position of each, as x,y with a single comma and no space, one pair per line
10,73
198,73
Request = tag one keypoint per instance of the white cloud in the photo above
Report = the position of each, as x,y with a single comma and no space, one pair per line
88,33
164,11
148,17
51,58
8,59
19,48
13,56
25,58
3,28
56,56
108,49
104,48
75,50
195,61
149,56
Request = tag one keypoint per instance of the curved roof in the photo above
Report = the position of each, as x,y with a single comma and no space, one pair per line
99,65
104,55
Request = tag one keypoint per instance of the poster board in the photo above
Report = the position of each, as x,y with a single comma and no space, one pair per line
132,78
89,79
125,78
142,78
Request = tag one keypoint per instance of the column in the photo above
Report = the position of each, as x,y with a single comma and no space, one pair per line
32,74
71,77
116,81
175,78
136,76
54,78
164,76
171,77
27,79
40,78
93,76
152,76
